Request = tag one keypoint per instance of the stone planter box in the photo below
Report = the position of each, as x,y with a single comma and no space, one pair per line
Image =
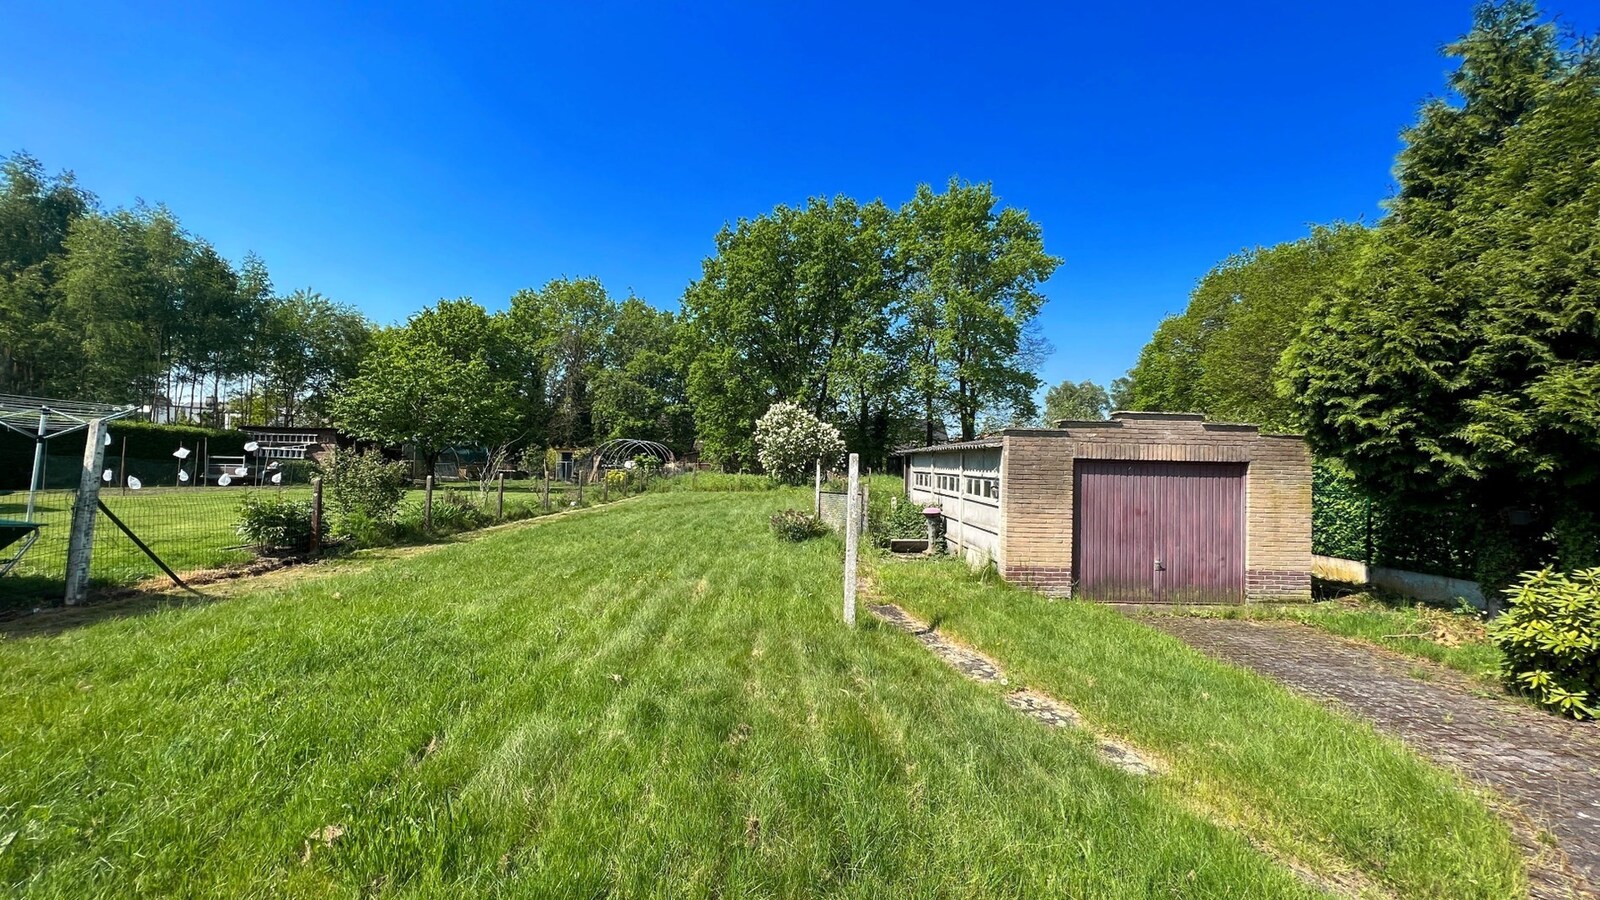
908,545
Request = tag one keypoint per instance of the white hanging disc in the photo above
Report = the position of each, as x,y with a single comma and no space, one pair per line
277,478
106,476
108,439
183,475
241,471
181,453
224,481
134,483
251,447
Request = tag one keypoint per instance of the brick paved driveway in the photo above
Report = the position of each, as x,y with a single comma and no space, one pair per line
1549,767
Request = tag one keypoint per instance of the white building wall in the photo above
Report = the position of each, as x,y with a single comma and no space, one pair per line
966,485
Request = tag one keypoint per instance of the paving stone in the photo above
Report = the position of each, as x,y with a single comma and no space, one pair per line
1548,766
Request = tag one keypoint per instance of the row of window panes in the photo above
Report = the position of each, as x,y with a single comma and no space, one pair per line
978,487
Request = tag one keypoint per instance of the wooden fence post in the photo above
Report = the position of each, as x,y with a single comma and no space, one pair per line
316,516
427,504
580,487
545,500
500,497
85,509
852,538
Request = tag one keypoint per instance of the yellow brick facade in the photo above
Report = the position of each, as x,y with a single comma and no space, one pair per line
1036,516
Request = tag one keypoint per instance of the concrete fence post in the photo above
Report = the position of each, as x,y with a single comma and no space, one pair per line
315,545
852,538
85,509
818,511
427,504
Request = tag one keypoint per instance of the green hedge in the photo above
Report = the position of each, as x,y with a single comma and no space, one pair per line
148,448
1348,523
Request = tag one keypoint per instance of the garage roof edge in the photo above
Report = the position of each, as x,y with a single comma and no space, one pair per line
987,443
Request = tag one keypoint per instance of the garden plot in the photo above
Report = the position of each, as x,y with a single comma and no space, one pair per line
656,699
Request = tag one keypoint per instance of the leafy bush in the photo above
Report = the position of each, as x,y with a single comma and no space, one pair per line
790,440
794,525
1438,540
458,511
1550,637
273,522
616,481
898,519
363,492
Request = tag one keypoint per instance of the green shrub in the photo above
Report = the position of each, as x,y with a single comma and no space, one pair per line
1550,637
458,511
898,519
794,525
274,522
362,492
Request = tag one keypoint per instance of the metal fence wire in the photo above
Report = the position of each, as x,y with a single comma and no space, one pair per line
835,506
193,526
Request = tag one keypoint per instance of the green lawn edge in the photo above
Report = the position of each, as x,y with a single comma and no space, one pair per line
1320,778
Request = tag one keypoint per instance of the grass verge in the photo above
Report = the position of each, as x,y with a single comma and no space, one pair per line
1308,780
1455,638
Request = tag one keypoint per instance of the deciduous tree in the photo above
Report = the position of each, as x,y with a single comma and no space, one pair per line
413,389
1083,400
974,274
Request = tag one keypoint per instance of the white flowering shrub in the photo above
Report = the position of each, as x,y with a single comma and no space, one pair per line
790,440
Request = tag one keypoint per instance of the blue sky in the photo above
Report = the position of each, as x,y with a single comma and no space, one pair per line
388,155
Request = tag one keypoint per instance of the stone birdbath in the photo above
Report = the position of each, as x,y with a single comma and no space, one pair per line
935,517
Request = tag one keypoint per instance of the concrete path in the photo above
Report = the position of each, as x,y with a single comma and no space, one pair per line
1548,766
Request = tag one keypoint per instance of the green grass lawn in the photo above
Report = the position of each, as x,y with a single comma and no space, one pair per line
189,528
1456,638
1315,783
658,699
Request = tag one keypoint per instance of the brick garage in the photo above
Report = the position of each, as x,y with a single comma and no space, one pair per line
1155,507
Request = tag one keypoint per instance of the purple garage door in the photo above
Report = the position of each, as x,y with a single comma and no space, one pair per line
1159,532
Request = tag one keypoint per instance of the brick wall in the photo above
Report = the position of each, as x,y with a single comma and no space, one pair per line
1036,512
1036,495
1278,520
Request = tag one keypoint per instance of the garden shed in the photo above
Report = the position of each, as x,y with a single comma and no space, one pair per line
1143,507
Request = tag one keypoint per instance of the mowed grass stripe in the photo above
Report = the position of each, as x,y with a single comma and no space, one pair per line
454,712
1314,783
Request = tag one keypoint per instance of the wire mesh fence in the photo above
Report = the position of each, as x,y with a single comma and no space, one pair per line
188,529
835,507
195,526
